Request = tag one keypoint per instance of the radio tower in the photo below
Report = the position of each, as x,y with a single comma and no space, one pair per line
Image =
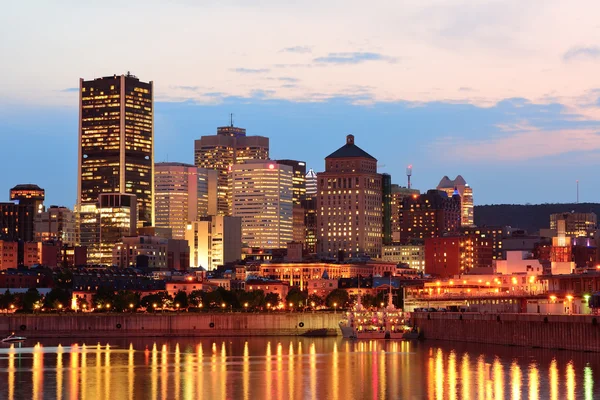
408,174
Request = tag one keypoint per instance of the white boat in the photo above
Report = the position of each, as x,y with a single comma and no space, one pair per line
13,339
385,323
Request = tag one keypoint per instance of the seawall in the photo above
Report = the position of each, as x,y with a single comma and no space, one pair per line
569,332
179,324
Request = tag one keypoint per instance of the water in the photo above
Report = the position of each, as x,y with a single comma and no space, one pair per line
295,368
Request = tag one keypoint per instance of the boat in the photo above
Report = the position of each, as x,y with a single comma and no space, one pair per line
13,339
385,323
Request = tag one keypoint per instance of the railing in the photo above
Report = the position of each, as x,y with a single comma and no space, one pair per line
519,293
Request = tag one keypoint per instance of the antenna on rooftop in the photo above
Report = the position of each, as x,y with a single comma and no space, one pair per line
231,118
409,174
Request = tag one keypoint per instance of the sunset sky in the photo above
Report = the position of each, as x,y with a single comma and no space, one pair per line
505,93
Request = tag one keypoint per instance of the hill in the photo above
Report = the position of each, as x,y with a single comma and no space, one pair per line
531,217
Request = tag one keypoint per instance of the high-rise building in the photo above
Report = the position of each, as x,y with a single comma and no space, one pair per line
9,222
428,215
116,144
576,224
386,197
311,183
117,217
230,146
56,224
182,194
349,203
214,241
30,199
262,195
412,254
398,195
460,186
298,197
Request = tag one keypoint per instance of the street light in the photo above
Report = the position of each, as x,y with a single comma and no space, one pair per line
246,305
177,305
107,306
130,305
335,308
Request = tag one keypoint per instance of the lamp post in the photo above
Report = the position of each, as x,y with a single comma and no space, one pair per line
335,308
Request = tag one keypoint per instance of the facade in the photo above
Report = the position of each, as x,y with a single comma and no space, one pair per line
310,224
31,254
412,255
576,224
8,254
183,193
443,256
9,221
298,197
263,198
349,204
30,199
151,252
268,286
386,197
214,241
56,224
311,183
493,234
117,216
397,197
116,146
220,152
428,215
460,186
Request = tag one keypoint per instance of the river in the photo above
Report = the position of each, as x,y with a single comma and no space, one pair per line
291,367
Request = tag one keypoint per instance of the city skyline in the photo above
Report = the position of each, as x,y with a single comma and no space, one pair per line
487,105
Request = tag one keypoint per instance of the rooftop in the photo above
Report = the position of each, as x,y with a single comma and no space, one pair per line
350,150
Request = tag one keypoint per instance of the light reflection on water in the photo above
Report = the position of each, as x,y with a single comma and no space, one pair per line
296,368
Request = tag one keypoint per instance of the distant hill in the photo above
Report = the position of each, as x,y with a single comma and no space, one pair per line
531,217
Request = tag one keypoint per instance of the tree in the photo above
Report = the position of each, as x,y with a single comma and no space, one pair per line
296,297
57,298
254,298
272,299
196,298
30,298
7,299
126,300
337,299
104,296
315,299
213,299
160,299
181,298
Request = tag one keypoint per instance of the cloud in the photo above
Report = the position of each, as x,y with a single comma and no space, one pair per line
188,88
250,70
353,58
522,143
296,49
70,90
465,89
581,52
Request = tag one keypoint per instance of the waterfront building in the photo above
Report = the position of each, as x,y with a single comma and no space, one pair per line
220,152
268,286
349,204
55,254
493,234
411,254
116,147
298,197
117,217
56,224
215,240
576,224
262,197
561,252
183,193
519,262
460,186
429,215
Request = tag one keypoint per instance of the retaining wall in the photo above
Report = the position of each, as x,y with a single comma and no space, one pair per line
180,324
569,332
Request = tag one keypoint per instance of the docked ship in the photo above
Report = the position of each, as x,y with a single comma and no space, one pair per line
385,323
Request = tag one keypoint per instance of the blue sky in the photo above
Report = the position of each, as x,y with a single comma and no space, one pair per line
504,93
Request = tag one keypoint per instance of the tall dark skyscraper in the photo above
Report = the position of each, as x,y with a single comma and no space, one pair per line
298,197
31,201
116,151
116,142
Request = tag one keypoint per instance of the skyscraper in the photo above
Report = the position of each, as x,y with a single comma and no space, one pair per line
311,183
56,224
262,196
398,195
116,143
117,216
214,240
183,193
298,196
349,203
220,152
466,197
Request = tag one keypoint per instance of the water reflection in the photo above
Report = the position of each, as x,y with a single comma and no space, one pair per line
260,368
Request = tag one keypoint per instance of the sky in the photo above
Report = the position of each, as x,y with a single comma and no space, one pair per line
505,93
